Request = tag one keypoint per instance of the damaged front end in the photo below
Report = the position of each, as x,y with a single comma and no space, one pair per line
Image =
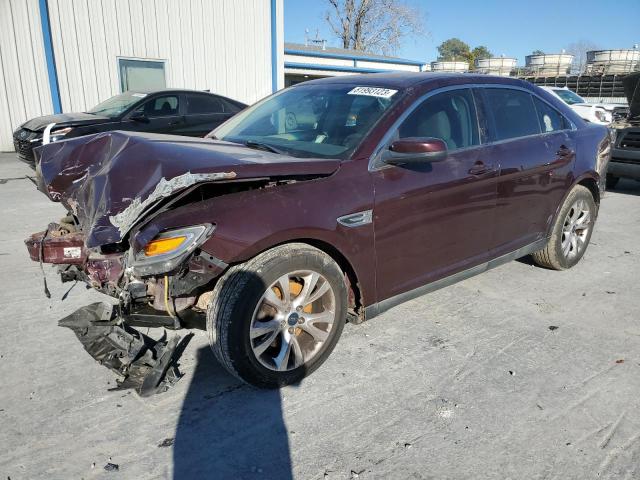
116,186
156,287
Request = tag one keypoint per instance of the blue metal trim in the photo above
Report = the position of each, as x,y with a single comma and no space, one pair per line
274,45
332,68
341,56
50,57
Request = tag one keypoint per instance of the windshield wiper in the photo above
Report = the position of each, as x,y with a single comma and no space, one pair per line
263,146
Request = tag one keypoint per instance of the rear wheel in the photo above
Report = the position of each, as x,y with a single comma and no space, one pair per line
571,233
276,318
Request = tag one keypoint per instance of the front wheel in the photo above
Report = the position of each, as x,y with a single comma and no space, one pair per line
276,318
571,232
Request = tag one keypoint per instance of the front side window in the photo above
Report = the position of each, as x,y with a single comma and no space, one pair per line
449,116
323,120
513,113
163,106
549,118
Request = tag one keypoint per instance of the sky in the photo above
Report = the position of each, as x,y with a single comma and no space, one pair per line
509,28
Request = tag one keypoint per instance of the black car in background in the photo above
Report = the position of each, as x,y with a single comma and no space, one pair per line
179,112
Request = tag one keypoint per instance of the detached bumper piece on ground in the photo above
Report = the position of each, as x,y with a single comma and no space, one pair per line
146,365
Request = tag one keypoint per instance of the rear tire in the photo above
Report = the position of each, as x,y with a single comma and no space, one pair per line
277,317
611,182
571,232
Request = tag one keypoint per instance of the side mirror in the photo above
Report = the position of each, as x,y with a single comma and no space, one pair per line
139,117
415,150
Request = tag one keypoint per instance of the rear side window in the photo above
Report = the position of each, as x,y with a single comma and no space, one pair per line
513,113
450,116
549,118
202,104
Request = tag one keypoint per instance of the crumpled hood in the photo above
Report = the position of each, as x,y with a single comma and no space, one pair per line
110,180
77,119
631,85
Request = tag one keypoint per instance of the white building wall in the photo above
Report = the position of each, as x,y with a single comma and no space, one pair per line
24,84
221,45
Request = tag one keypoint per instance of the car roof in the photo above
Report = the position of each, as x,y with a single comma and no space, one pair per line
184,90
412,79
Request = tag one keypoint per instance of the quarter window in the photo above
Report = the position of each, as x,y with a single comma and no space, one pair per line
449,116
513,113
549,118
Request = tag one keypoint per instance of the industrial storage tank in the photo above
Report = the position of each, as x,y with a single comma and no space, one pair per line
496,66
612,61
449,66
548,64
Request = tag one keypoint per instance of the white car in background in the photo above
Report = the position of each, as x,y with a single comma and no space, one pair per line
600,113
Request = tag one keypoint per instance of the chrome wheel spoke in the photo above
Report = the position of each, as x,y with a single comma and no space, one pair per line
266,343
320,291
310,282
262,328
272,299
574,245
282,359
566,246
298,356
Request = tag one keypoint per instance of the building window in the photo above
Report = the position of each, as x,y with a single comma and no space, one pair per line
145,75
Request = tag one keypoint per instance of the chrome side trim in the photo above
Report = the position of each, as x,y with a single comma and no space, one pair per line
381,307
356,219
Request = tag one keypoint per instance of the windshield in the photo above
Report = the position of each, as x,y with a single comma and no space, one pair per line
115,106
322,121
569,97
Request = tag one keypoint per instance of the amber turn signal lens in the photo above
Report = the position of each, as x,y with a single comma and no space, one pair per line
163,245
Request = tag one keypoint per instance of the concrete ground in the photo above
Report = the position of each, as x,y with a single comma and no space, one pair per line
518,373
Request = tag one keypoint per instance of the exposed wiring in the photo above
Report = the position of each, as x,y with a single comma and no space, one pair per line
166,296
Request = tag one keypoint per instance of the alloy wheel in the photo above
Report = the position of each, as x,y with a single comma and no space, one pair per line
575,230
292,320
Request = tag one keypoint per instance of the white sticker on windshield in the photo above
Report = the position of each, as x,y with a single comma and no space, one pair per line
139,95
373,92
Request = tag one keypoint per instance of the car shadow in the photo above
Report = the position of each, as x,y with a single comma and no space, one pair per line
228,429
627,186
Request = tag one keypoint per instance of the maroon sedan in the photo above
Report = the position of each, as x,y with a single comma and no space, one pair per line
329,201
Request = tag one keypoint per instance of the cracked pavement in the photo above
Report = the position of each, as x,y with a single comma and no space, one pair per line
520,372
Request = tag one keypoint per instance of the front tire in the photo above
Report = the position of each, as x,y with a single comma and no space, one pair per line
571,232
277,317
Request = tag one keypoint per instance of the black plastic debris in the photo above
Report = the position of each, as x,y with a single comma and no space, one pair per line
112,467
167,442
553,327
146,365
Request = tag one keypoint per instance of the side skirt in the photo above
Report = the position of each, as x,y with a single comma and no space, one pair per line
381,307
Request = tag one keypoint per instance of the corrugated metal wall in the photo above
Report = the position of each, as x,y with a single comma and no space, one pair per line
24,84
220,45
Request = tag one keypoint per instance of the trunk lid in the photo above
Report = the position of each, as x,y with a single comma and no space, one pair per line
110,180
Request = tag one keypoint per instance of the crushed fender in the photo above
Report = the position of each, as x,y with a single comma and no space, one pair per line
146,365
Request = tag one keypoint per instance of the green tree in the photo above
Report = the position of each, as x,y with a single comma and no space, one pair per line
481,52
454,49
537,52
